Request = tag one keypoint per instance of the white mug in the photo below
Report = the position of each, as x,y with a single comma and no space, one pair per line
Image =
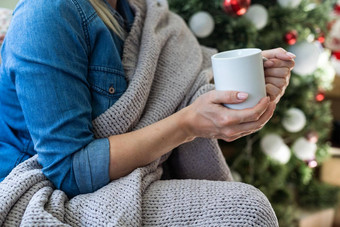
240,70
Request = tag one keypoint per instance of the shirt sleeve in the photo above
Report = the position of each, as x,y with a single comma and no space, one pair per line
46,55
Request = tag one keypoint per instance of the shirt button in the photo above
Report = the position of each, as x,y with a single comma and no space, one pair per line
111,90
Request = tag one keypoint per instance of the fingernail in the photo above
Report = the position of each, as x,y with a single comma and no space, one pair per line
242,95
291,55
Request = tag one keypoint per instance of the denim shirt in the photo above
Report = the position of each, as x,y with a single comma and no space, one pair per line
61,68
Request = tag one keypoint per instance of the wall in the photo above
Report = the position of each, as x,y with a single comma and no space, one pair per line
10,4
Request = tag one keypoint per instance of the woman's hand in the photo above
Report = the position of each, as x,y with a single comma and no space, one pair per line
277,71
207,117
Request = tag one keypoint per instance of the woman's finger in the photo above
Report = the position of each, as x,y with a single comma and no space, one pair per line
280,83
278,53
229,117
251,127
277,72
277,63
230,139
236,117
227,97
274,92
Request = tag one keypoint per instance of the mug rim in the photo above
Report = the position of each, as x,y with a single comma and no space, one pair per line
253,51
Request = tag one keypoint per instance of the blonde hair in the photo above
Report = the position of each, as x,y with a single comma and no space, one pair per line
104,13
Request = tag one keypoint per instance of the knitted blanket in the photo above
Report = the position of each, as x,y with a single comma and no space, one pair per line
166,70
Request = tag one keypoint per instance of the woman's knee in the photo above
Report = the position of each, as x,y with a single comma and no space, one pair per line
253,205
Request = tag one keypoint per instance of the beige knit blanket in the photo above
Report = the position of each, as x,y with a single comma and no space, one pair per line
166,70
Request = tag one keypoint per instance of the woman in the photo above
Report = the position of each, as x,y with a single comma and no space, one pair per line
62,69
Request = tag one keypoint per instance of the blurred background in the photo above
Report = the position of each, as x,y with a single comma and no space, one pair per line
8,4
295,158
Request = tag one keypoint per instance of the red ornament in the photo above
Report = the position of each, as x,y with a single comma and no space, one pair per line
291,37
336,54
337,9
320,96
321,37
236,7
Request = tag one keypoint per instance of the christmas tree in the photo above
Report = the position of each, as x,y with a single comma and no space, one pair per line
281,159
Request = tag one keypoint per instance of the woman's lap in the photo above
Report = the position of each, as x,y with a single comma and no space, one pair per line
205,203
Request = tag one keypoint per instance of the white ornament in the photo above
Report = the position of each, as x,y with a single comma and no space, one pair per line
258,15
307,57
289,3
273,145
303,149
310,38
202,24
294,120
310,7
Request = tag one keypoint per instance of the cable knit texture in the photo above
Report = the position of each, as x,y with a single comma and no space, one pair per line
166,70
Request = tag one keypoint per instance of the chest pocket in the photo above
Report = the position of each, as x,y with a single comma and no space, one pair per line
107,85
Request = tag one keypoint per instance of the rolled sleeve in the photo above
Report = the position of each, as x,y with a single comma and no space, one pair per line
92,173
